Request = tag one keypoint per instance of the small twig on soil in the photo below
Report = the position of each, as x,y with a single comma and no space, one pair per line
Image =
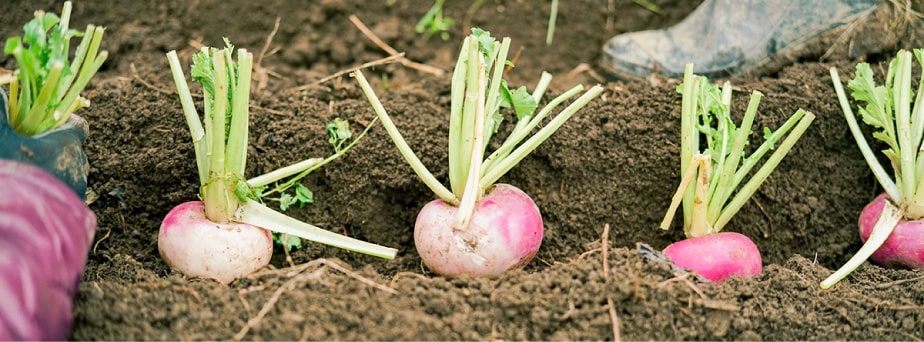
391,51
356,276
769,221
245,303
386,60
149,85
288,285
96,245
261,74
586,69
611,308
898,282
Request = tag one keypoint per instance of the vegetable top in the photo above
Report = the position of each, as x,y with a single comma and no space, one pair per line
721,166
45,88
897,122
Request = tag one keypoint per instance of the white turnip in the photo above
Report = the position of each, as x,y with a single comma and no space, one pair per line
504,233
198,247
719,170
476,227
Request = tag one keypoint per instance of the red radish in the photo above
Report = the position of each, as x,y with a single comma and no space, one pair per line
717,256
45,235
891,226
708,204
504,233
478,228
232,250
225,236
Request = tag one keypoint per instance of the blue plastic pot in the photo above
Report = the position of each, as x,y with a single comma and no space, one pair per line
58,152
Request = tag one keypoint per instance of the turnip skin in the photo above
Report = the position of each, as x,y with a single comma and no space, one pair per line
717,256
192,244
504,233
905,246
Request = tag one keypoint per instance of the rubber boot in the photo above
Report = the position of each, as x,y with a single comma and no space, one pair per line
730,37
59,151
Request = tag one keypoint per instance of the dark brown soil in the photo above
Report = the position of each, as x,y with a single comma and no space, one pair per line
616,163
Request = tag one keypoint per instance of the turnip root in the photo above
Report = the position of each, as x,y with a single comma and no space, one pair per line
229,233
891,226
192,244
904,248
717,177
504,233
479,228
717,256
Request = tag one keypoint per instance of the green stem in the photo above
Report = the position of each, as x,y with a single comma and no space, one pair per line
544,80
888,219
438,189
472,192
685,181
727,184
902,106
303,168
457,95
37,115
236,155
689,135
878,171
469,110
804,119
94,60
503,166
492,105
727,161
254,213
524,127
283,172
192,117
699,222
218,194
552,18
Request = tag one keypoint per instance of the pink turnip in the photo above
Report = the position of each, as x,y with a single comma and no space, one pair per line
891,226
717,256
905,246
504,233
718,170
478,228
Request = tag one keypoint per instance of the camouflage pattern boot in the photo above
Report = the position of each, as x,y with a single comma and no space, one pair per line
730,37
